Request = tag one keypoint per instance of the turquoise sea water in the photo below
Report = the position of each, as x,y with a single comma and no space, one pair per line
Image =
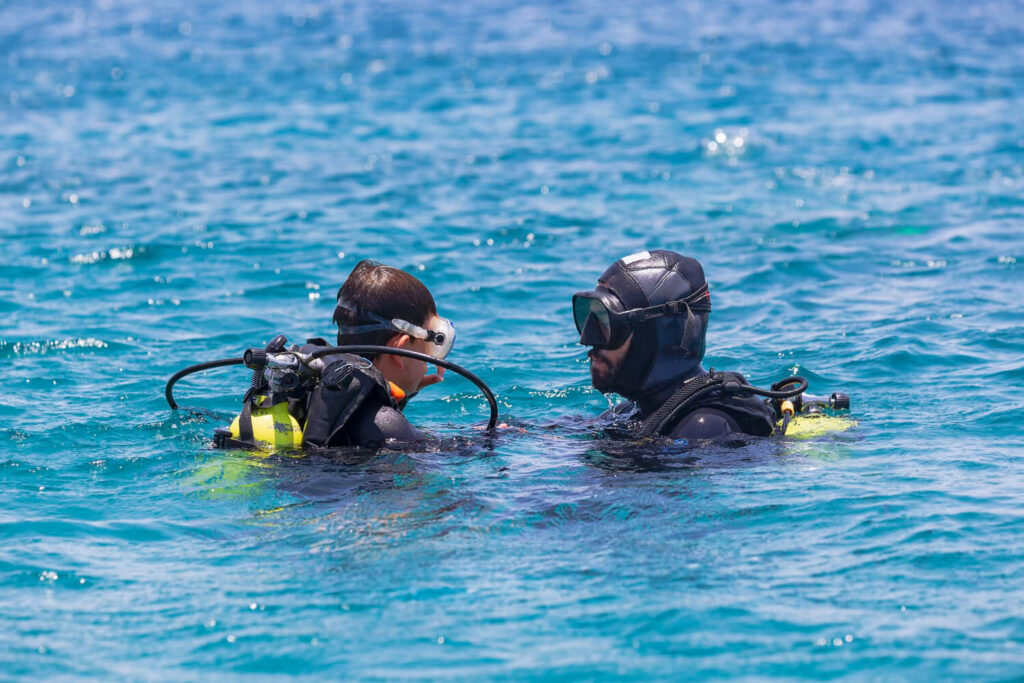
179,183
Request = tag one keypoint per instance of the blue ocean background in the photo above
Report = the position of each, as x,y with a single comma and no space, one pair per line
181,181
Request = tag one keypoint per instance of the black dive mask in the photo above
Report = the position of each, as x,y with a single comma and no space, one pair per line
603,324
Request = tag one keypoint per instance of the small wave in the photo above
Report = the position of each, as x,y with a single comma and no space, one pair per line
32,348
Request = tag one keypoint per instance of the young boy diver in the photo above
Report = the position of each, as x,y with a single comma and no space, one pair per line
383,306
355,400
646,323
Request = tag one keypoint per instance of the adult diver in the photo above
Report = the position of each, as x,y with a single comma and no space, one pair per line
646,323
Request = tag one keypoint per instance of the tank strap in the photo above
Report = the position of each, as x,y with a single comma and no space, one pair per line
245,432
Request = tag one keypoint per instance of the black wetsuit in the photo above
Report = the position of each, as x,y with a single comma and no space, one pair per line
351,406
717,417
374,424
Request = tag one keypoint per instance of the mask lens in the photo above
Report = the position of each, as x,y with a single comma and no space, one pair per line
590,314
580,312
444,338
600,314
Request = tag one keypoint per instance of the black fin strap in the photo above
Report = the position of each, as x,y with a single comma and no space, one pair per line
684,395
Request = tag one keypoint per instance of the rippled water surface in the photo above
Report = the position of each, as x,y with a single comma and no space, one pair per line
179,183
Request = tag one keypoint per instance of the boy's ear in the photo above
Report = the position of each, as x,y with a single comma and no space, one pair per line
399,341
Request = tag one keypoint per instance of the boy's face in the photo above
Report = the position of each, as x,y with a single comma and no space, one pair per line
408,373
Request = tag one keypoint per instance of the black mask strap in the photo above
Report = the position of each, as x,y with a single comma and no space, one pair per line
700,301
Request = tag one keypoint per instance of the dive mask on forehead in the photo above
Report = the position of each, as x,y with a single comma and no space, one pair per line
603,324
440,340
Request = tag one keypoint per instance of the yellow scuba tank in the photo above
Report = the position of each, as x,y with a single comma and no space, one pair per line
802,416
813,425
272,428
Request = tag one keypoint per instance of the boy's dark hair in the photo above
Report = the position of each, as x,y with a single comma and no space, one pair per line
386,292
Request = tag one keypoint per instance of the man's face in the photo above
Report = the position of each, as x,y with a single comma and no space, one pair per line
605,365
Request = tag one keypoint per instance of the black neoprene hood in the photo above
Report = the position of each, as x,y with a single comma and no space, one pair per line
664,350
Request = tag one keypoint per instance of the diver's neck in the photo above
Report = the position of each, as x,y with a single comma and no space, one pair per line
656,397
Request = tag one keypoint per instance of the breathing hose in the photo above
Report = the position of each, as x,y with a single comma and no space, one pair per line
328,350
448,365
779,391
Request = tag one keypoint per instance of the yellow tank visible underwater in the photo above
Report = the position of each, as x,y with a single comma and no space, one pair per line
810,426
272,428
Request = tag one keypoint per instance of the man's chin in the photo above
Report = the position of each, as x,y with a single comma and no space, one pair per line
602,382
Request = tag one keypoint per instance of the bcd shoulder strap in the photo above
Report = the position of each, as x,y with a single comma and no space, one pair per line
689,394
719,390
344,385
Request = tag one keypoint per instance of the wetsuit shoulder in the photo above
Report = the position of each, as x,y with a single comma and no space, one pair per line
705,423
376,424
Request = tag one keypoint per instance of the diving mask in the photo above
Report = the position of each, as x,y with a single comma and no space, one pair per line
603,324
441,340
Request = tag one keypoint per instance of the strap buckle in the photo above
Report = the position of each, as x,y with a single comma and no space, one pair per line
676,307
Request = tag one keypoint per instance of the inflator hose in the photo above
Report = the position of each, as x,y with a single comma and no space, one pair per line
328,350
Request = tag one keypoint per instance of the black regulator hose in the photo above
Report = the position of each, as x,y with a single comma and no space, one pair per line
199,367
448,365
328,350
779,393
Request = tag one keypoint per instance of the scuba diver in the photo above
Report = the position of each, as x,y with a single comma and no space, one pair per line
646,323
353,400
384,306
